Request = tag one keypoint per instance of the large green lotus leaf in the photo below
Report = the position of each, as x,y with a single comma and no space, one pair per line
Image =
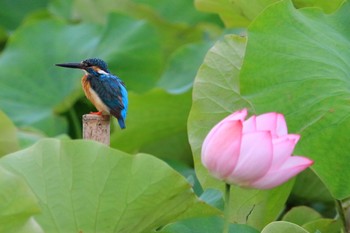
311,220
324,225
239,13
17,205
156,124
182,67
285,227
308,187
8,138
257,207
216,94
296,63
13,12
301,215
33,90
85,186
205,225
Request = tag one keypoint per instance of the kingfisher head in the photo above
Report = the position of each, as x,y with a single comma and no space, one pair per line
91,66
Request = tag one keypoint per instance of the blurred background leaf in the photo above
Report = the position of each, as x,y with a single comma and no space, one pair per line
8,135
182,67
158,126
11,15
181,11
31,91
132,49
143,42
185,26
39,91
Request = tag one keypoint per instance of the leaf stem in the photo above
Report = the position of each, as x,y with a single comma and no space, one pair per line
76,123
340,210
227,208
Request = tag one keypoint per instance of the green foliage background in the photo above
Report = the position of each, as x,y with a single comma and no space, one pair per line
187,64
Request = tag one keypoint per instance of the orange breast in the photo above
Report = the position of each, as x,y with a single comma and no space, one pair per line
86,87
92,96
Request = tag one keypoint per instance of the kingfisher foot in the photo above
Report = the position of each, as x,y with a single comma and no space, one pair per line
96,113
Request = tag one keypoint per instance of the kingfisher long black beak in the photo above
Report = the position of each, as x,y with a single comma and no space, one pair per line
73,65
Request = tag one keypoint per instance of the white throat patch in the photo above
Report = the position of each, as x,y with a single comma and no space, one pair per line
101,71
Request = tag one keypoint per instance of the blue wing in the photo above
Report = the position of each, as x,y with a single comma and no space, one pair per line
114,95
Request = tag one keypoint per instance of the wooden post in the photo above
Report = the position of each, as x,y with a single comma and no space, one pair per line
97,128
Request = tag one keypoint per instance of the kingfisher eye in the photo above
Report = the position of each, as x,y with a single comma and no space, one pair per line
91,62
86,64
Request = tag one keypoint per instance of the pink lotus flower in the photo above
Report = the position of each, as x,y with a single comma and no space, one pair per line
252,153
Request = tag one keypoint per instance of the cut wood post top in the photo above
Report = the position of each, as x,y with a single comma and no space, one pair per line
97,128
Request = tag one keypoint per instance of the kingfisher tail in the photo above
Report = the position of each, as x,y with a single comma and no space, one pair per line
121,123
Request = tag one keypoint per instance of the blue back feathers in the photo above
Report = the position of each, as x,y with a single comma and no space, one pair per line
124,94
110,89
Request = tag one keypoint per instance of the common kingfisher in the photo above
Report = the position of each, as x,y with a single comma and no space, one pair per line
105,91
